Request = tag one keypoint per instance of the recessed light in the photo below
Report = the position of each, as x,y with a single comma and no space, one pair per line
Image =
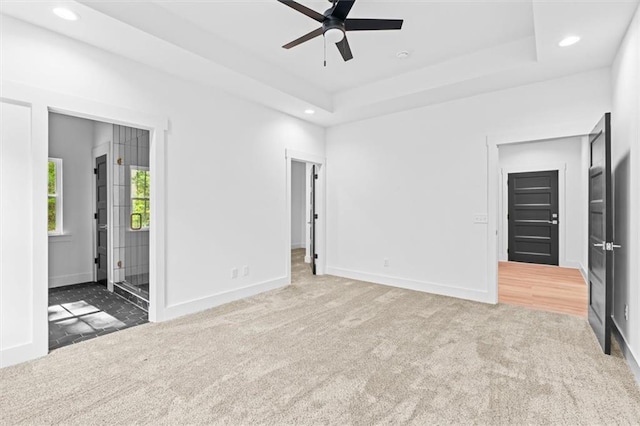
309,111
402,54
568,41
65,14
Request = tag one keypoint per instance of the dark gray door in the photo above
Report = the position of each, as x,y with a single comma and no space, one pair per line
533,217
600,233
312,220
101,219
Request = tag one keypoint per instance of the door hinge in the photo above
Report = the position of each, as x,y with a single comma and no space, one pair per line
315,176
95,171
315,216
95,215
315,256
95,260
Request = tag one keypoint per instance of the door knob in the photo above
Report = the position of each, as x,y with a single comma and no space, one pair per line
103,226
601,245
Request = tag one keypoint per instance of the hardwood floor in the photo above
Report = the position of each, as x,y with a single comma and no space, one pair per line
546,288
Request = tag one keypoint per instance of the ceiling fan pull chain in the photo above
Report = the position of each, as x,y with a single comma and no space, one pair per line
325,50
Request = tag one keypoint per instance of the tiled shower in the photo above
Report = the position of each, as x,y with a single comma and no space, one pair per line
131,214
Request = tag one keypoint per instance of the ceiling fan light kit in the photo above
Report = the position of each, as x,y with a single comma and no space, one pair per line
335,25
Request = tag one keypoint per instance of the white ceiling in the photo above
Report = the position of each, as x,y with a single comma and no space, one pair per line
458,48
432,33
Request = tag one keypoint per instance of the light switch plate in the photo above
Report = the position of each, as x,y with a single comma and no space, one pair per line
480,218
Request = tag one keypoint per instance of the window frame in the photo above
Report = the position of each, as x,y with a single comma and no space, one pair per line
133,167
59,230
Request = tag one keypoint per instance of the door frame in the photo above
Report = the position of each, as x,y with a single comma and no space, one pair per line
99,151
41,102
320,163
503,229
493,141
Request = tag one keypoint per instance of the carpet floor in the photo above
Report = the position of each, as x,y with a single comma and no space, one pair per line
328,350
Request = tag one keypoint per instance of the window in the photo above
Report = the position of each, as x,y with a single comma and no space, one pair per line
55,196
140,203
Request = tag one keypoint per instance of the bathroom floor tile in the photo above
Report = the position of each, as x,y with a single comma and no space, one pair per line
102,320
57,312
85,311
79,308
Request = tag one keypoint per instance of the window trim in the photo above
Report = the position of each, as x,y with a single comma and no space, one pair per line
59,230
133,167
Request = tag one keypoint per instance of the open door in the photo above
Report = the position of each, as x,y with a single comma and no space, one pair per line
601,244
312,220
101,219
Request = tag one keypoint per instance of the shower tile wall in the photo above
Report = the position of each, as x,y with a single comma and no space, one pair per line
131,248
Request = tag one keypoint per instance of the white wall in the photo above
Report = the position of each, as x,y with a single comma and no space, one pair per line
17,317
566,156
406,186
102,133
298,204
71,254
225,166
625,125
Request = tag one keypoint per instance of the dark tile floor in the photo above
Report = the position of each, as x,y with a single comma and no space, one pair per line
84,311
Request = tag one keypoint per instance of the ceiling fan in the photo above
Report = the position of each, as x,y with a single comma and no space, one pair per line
335,24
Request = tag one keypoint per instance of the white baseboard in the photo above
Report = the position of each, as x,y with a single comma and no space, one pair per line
198,305
423,286
63,280
629,356
297,245
22,353
583,272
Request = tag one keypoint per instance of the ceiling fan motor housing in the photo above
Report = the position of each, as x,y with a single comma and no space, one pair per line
331,23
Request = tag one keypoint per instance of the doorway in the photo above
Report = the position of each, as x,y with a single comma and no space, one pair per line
542,229
300,218
86,192
306,221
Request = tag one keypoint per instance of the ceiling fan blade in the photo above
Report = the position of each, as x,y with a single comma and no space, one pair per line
372,24
304,10
345,49
342,9
306,37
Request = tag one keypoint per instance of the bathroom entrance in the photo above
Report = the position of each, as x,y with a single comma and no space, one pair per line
98,226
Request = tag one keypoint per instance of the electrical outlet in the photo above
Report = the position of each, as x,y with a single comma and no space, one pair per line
245,270
234,273
626,312
480,218
386,263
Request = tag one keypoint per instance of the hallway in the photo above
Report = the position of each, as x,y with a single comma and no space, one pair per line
541,287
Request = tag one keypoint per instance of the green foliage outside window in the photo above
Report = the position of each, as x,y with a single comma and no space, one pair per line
140,203
53,198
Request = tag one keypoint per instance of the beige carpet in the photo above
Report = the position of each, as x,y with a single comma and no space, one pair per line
332,351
